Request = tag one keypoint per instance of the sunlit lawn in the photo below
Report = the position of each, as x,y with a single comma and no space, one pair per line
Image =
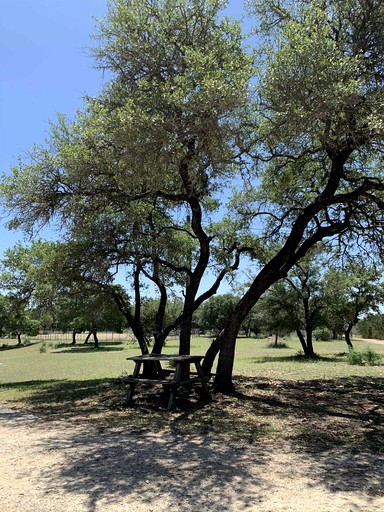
58,360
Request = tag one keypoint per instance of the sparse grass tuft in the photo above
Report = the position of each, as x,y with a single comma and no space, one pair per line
279,344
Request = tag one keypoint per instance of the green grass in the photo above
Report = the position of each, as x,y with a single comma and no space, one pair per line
280,394
59,361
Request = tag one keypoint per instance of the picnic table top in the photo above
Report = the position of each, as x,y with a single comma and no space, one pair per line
166,357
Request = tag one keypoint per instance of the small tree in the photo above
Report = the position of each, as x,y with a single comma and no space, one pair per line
353,291
276,312
18,321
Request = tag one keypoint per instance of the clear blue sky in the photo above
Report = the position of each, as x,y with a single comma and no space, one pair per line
45,69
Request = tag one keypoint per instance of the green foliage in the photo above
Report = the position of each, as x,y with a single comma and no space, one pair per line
149,311
322,334
214,313
365,357
372,326
178,89
275,312
351,291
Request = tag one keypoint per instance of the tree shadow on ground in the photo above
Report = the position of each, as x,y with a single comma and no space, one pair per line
5,346
322,413
297,358
314,415
104,346
190,473
61,398
334,429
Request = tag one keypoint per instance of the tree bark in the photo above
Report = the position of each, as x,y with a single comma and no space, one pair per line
227,341
210,355
306,343
347,335
302,341
95,339
276,338
74,332
309,332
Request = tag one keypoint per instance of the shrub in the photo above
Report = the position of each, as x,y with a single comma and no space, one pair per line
279,344
322,334
372,357
43,347
365,357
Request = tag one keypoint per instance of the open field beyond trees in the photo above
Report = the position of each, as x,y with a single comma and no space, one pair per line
280,395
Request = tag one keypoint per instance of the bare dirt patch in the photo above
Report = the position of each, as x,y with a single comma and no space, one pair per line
74,467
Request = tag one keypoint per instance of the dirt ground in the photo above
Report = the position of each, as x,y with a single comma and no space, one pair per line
60,467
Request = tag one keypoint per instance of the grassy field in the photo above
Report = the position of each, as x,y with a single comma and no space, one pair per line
280,395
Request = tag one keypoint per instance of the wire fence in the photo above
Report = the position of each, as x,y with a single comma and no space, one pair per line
102,336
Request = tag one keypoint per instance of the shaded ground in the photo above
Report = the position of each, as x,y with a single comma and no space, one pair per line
275,446
312,414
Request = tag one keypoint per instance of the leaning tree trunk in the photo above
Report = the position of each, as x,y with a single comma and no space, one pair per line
227,341
95,339
185,341
211,354
308,350
18,334
347,335
159,341
309,332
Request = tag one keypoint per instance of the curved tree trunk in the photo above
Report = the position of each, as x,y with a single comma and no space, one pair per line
74,332
347,335
95,338
306,344
309,332
211,354
227,341
302,341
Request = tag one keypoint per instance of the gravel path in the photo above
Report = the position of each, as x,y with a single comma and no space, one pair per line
52,467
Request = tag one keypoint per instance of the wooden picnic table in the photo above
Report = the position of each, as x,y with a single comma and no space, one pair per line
166,377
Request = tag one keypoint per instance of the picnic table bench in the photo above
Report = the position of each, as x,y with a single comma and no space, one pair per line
167,377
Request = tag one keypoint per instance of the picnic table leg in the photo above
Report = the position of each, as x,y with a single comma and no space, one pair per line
132,385
176,381
200,373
